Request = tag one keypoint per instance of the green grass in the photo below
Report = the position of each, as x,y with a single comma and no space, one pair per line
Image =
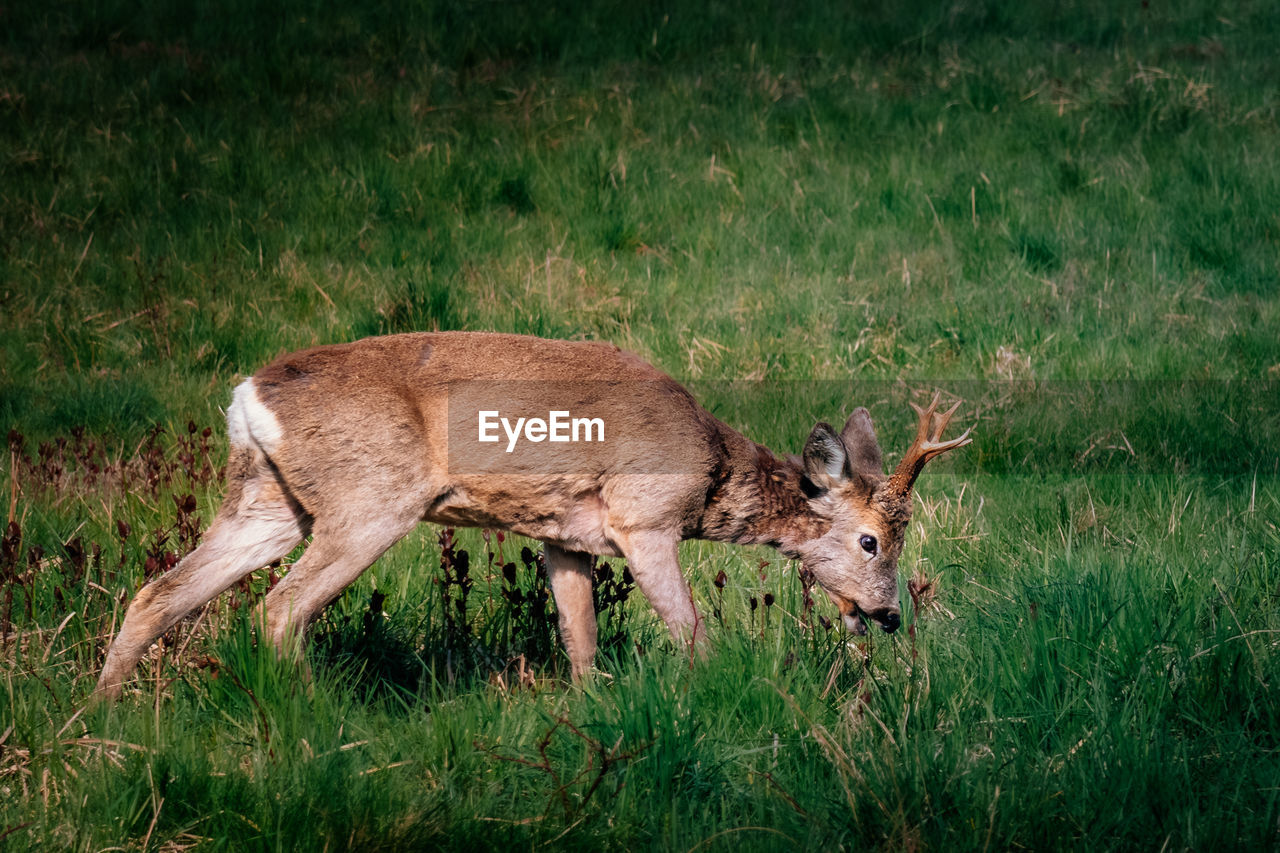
1062,213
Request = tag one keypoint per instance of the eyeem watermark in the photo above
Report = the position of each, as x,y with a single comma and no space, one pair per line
559,426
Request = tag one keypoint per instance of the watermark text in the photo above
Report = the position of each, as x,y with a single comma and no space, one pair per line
558,426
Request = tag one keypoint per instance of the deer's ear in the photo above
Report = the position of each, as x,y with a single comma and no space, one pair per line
859,437
825,457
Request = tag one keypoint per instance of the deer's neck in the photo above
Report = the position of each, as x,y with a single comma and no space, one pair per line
755,498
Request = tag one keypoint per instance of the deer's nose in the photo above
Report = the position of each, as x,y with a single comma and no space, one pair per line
888,620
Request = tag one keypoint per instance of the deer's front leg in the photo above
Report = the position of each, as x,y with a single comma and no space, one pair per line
570,576
654,562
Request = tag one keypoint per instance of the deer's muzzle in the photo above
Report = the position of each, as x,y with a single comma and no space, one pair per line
855,618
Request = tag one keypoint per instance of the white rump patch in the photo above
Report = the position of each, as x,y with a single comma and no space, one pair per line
250,423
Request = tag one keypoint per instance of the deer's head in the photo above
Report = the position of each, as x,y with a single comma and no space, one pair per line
856,559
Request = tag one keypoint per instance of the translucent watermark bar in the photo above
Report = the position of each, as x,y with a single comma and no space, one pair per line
1212,427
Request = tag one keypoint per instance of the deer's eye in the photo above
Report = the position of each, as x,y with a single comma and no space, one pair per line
868,543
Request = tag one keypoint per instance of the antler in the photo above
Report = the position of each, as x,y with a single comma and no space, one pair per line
926,446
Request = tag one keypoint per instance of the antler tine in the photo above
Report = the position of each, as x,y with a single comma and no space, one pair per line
928,444
943,420
926,416
935,444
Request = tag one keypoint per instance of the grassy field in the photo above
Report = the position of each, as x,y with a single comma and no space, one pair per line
1064,214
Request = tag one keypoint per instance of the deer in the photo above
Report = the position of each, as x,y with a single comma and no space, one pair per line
355,444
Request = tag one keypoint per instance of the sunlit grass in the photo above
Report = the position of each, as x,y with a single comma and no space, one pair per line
1062,214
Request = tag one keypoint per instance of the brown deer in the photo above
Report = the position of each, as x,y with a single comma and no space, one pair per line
355,444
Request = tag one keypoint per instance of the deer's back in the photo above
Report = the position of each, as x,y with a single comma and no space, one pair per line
399,415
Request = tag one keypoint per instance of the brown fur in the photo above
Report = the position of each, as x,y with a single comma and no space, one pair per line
351,444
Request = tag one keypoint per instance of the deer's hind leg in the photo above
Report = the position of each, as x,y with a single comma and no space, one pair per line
340,551
259,522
